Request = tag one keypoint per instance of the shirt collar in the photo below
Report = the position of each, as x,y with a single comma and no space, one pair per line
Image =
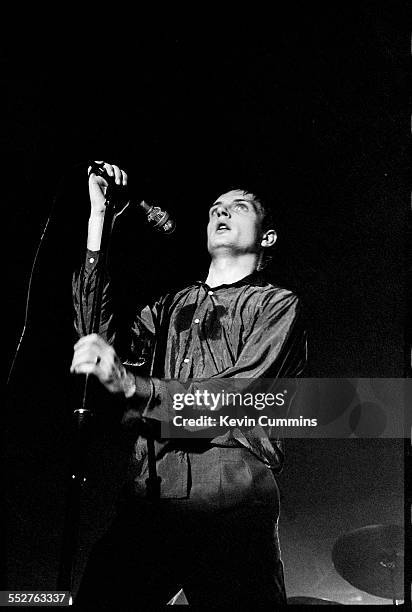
255,278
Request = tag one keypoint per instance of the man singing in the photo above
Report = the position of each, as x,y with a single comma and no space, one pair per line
212,530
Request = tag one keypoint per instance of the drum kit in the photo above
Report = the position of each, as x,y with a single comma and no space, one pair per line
371,559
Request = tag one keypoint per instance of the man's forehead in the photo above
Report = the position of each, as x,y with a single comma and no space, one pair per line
235,194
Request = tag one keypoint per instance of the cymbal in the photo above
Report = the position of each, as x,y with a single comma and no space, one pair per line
311,601
371,559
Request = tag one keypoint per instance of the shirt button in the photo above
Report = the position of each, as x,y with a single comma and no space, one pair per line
186,360
91,260
210,292
197,320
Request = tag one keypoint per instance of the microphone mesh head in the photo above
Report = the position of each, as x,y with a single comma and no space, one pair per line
158,218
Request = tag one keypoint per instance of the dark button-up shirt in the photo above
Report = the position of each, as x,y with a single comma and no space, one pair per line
250,329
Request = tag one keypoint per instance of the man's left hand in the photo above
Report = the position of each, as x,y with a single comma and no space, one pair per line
92,355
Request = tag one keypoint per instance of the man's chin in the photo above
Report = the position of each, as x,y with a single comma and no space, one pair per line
223,243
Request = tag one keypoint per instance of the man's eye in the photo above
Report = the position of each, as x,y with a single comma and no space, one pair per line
241,206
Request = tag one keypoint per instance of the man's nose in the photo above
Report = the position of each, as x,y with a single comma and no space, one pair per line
222,211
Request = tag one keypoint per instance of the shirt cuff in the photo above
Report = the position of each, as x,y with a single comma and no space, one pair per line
160,406
92,259
143,395
138,404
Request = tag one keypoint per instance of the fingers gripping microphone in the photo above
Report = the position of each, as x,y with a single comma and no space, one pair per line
158,218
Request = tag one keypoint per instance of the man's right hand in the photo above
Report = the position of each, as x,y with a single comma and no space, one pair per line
97,189
98,186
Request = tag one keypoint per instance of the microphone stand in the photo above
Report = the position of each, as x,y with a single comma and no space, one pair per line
82,421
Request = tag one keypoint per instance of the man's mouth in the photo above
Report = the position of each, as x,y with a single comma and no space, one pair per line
222,227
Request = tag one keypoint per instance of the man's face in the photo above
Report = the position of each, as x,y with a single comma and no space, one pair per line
234,223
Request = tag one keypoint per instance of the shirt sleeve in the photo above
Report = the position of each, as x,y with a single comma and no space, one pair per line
84,289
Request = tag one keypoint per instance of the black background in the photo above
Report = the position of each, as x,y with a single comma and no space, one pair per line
313,117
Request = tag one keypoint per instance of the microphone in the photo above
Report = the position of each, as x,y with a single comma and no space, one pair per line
158,218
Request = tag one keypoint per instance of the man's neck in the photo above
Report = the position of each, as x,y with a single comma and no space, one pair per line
227,270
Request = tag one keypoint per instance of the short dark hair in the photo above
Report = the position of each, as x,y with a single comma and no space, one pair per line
267,221
267,215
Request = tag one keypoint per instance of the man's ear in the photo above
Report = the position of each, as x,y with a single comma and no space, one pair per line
269,238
